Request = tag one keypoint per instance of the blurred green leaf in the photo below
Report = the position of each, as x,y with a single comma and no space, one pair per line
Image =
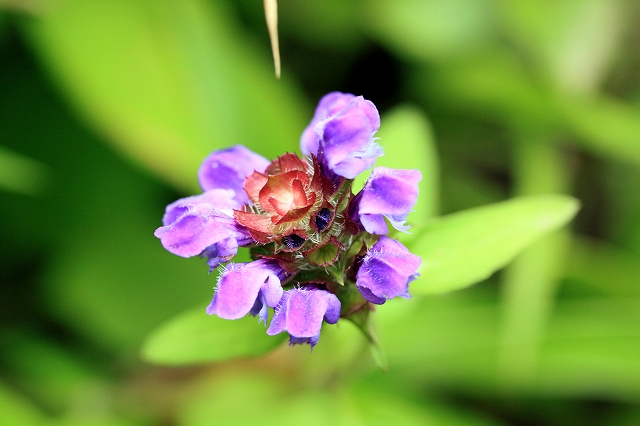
58,377
321,23
494,85
499,87
602,267
589,349
195,337
22,174
381,406
605,126
255,396
463,248
573,41
530,282
407,139
428,29
168,81
16,410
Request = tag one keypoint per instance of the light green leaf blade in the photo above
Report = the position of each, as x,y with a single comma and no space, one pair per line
194,337
463,248
573,41
407,139
167,81
17,410
430,29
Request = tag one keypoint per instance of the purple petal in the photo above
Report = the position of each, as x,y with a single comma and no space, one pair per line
386,271
302,310
311,341
219,199
346,138
390,193
195,224
247,288
228,169
220,252
329,105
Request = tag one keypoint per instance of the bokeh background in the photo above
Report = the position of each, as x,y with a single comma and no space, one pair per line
107,108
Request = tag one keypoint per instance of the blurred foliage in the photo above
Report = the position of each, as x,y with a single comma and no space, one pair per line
108,107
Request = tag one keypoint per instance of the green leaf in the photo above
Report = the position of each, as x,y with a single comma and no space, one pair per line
407,139
463,248
195,337
17,410
605,126
430,29
22,174
573,42
167,81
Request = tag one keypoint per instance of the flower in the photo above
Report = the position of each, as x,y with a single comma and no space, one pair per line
388,193
341,134
228,169
203,224
301,311
248,288
285,197
386,271
306,231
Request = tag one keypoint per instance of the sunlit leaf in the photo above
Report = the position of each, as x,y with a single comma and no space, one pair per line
427,29
195,337
17,410
463,248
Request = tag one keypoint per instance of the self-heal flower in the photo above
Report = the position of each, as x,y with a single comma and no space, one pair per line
386,271
246,288
198,223
319,252
344,126
301,312
388,193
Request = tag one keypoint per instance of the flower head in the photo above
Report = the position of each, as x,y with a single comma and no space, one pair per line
319,251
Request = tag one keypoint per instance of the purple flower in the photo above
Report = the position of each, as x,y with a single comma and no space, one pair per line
341,134
203,225
329,105
386,271
245,288
301,311
388,193
228,169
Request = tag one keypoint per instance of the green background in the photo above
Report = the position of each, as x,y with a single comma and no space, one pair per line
107,108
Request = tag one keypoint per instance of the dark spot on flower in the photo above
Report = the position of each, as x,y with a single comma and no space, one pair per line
322,219
293,241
